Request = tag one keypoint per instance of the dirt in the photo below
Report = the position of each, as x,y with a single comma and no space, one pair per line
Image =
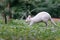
56,19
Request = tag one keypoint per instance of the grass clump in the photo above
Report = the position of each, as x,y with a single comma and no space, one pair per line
19,30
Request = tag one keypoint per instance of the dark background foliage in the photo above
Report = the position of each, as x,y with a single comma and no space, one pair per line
23,8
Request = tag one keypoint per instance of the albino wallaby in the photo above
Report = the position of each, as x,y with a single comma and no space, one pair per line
42,16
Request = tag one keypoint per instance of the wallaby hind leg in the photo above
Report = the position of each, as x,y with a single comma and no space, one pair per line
46,22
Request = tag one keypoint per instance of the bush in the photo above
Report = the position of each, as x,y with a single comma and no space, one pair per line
19,30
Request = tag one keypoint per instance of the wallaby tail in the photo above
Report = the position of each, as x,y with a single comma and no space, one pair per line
53,22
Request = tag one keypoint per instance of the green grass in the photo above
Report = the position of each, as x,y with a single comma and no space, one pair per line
19,30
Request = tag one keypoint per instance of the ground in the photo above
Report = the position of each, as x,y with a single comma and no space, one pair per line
56,19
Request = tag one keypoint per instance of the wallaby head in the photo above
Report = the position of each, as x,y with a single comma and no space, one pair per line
28,18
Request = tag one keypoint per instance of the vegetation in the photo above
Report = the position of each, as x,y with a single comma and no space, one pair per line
21,8
19,30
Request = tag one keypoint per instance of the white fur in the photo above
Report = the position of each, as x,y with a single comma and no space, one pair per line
42,16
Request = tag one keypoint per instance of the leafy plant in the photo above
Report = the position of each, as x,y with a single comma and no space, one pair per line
19,30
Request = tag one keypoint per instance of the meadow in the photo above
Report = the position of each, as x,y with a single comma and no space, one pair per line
20,30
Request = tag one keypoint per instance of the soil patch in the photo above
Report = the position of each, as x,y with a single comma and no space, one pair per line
56,19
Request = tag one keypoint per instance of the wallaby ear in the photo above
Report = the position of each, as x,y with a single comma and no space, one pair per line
29,16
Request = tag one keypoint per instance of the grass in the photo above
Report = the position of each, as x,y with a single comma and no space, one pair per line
19,30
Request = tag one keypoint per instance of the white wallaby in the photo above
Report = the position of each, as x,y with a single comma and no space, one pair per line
42,16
